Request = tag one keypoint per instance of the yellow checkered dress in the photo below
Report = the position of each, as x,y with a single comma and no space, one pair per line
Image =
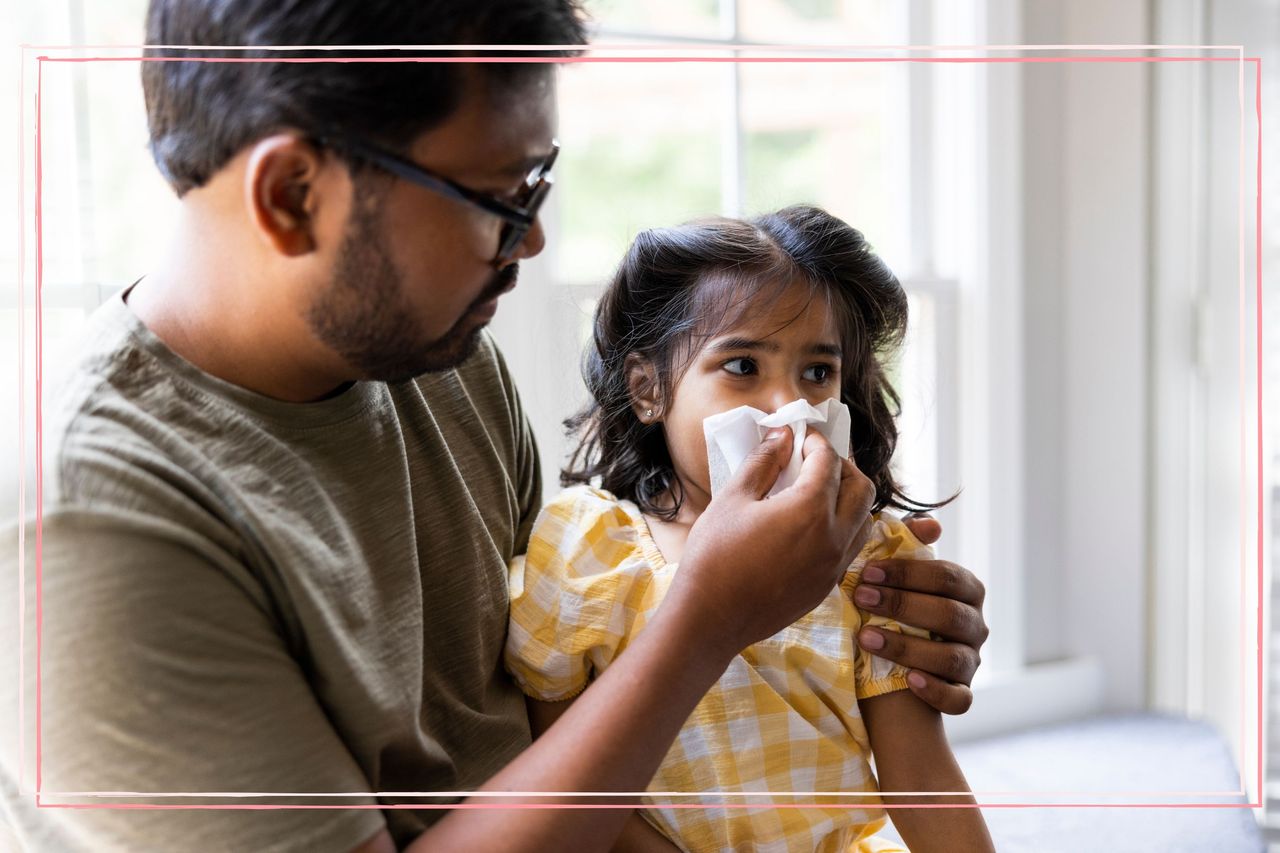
783,717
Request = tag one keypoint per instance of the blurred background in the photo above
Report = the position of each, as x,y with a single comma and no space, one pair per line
1083,354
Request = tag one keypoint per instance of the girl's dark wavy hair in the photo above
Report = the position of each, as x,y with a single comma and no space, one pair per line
679,286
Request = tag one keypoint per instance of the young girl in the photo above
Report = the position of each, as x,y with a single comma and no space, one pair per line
698,320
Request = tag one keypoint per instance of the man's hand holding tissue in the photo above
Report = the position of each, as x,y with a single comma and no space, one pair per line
938,596
754,564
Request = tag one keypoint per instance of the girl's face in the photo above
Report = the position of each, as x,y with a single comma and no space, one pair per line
788,350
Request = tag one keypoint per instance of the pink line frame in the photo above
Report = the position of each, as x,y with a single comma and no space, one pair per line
38,214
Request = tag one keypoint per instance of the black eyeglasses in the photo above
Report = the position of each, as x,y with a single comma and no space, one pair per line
519,215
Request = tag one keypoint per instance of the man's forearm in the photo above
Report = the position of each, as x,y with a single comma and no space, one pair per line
612,738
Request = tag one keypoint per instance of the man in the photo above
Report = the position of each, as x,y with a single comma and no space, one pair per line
289,469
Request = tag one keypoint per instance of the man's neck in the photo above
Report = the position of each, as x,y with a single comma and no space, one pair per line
232,325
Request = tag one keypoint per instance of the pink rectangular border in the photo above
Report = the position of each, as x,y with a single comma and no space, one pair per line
38,212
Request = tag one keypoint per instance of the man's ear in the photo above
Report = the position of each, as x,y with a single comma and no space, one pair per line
280,192
643,388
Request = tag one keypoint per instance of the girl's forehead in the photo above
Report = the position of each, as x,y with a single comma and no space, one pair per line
770,309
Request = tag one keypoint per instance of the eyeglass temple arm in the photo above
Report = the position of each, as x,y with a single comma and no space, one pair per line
418,175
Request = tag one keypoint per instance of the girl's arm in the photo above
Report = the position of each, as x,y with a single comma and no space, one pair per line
912,754
637,834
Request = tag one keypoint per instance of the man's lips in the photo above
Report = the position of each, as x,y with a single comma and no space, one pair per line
487,304
506,282
507,279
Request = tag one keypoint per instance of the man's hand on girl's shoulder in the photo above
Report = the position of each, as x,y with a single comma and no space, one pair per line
941,597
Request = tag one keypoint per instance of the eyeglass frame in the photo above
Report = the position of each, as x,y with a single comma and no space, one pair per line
519,217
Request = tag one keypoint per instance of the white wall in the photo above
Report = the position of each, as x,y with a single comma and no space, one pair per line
1085,232
1042,337
1204,572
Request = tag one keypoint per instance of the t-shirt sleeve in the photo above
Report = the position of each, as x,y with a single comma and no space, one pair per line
574,594
528,467
889,538
162,671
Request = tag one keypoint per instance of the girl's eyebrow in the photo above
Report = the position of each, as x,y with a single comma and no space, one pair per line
728,344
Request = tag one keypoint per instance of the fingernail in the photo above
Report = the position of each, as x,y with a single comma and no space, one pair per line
916,680
775,434
871,640
866,596
873,574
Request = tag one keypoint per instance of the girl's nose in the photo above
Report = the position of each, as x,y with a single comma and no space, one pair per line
782,393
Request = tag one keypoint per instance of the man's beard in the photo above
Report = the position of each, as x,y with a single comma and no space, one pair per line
365,317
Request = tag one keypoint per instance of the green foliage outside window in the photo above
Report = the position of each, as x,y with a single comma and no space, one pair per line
616,186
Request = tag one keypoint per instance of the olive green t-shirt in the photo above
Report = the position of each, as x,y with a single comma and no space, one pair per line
242,595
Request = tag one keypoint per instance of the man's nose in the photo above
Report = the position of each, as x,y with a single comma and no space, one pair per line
535,240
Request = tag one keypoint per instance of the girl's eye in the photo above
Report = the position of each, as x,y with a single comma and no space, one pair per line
740,366
818,373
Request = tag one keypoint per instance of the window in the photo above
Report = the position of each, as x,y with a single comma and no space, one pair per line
104,203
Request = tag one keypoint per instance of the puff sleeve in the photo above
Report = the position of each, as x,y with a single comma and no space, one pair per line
579,594
889,538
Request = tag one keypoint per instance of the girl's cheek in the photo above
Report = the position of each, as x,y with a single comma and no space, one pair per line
690,456
694,448
818,397
700,453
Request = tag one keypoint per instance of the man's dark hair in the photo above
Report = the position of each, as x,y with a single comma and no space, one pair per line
680,286
202,113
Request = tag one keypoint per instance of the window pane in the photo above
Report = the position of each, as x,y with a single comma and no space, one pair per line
117,22
106,208
676,17
821,21
914,377
820,133
640,149
132,209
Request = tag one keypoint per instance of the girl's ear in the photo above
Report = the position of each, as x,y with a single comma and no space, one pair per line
642,385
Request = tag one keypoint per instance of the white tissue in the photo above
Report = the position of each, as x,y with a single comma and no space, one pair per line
732,435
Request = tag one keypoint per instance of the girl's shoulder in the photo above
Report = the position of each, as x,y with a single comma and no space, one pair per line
588,527
890,537
589,504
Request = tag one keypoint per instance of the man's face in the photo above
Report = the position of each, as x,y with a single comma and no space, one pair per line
414,278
